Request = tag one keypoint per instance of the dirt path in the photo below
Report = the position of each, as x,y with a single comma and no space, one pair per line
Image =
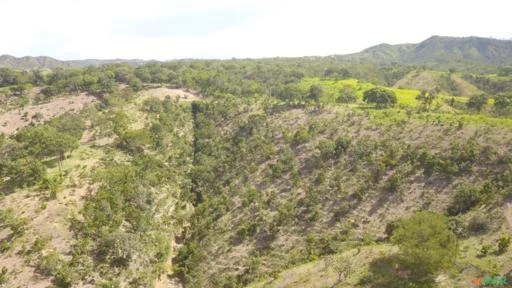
13,120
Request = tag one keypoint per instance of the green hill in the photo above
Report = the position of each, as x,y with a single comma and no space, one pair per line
445,52
45,62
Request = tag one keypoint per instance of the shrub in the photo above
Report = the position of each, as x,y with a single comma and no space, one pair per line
465,198
247,230
3,275
53,184
394,182
457,226
5,246
51,264
478,224
327,149
117,249
342,144
503,244
301,136
485,249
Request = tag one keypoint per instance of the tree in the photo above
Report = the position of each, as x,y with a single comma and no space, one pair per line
315,93
426,98
380,97
21,89
503,102
426,244
25,171
477,102
339,265
347,94
46,141
291,92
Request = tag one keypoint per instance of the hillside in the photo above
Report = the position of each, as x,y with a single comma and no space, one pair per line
443,82
45,62
442,52
243,173
436,52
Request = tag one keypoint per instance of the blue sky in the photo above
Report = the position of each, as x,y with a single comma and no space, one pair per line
172,29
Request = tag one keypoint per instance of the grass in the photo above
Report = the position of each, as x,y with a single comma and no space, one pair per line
320,274
406,97
469,265
396,115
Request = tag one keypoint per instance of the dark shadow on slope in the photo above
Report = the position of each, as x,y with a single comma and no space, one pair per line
389,272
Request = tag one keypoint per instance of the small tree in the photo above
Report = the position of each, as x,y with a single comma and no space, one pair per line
380,97
426,98
503,244
315,93
341,266
477,102
347,94
503,102
426,244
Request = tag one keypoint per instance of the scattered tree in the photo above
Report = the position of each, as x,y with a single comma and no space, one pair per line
347,94
380,97
477,102
315,93
426,244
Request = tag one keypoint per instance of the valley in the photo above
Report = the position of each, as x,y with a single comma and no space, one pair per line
282,172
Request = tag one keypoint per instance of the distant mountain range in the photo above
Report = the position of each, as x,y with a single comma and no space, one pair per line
439,51
43,62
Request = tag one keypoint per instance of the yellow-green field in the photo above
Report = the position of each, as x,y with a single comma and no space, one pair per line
406,97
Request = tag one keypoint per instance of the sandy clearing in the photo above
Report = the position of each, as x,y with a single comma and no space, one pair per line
161,92
11,121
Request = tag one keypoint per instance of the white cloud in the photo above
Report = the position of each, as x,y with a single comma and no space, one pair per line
90,29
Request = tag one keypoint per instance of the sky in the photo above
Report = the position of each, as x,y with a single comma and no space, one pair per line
175,29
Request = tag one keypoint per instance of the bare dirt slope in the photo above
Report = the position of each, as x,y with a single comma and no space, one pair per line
161,92
12,121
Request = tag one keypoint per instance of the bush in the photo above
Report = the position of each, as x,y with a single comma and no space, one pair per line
53,184
247,230
117,249
465,198
342,144
503,244
478,224
3,275
394,182
327,149
301,136
50,264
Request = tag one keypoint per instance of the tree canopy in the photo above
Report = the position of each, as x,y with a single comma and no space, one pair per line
426,243
380,97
